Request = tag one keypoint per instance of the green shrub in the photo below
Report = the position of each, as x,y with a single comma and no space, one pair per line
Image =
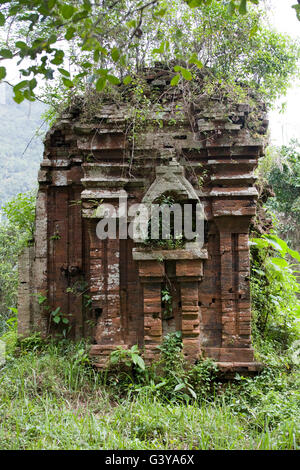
274,288
203,377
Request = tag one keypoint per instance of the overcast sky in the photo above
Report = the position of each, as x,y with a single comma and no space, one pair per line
285,126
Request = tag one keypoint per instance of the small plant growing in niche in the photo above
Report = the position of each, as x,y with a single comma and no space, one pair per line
175,240
128,357
166,299
58,317
55,236
41,298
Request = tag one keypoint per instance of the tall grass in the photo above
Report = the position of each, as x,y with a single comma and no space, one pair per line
52,398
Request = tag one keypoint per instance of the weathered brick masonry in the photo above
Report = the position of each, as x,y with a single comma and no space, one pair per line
111,289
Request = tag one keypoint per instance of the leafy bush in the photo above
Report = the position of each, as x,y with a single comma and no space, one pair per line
10,337
20,212
285,181
16,230
274,288
203,377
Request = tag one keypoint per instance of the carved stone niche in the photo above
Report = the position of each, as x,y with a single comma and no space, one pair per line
179,270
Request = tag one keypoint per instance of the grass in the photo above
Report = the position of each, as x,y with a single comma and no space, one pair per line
51,398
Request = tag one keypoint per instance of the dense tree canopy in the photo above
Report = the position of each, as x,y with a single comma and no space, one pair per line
285,180
105,41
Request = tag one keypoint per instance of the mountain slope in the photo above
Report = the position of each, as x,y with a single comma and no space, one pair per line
18,126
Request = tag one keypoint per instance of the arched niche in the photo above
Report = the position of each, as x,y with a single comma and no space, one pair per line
170,181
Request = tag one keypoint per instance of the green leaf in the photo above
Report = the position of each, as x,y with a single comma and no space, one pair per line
113,80
184,72
243,7
32,84
41,299
64,72
102,72
67,11
115,54
164,46
20,85
28,95
89,44
277,243
179,387
231,8
52,39
2,19
253,31
58,57
260,272
192,392
70,33
127,80
100,83
80,16
21,45
87,65
194,60
259,242
51,4
282,263
97,53
18,97
297,8
87,4
178,34
6,53
138,360
194,3
55,312
56,319
131,24
65,321
67,82
14,310
161,12
114,358
294,254
2,73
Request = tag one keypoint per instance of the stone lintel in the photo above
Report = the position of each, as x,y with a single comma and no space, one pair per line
160,255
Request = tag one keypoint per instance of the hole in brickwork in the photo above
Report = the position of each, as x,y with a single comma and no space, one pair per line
155,315
180,137
170,267
213,301
206,231
98,313
179,304
199,304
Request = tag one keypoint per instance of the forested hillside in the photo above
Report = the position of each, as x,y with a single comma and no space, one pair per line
19,124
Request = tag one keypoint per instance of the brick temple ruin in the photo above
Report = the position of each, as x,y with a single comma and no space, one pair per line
202,151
